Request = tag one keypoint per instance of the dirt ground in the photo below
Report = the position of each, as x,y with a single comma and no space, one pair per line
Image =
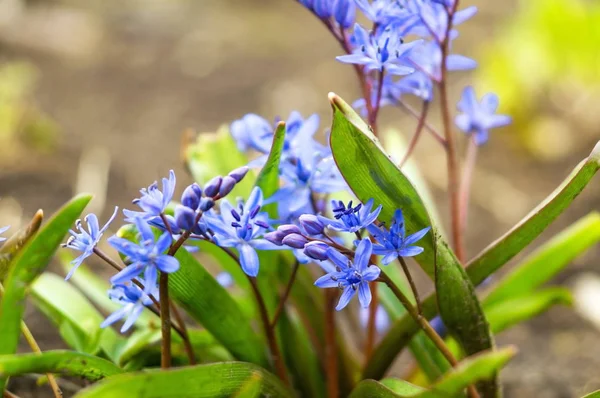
124,80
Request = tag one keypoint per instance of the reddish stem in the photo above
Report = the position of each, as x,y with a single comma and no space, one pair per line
415,139
330,346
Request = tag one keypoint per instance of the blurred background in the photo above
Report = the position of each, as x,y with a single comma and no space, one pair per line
96,95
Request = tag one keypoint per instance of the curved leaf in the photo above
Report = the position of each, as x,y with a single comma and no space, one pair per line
548,260
490,260
60,362
268,179
205,381
197,291
29,263
76,318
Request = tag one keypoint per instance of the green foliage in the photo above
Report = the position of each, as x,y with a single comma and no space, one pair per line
211,381
268,179
64,363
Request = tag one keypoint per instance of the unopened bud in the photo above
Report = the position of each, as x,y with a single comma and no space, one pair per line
296,241
211,189
239,173
316,250
184,217
311,224
227,185
191,196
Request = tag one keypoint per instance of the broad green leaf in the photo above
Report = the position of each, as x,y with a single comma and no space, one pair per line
195,289
215,154
204,381
70,311
548,260
595,394
268,179
59,362
462,313
12,245
483,366
30,262
490,260
370,173
511,311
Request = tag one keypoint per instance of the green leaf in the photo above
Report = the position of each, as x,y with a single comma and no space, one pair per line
76,318
268,179
215,154
12,245
59,362
31,261
548,260
370,173
511,311
490,260
483,366
205,381
195,289
462,313
595,394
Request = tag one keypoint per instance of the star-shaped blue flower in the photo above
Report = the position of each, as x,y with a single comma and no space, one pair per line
351,219
351,276
153,201
478,117
147,256
380,50
133,300
242,228
86,240
394,243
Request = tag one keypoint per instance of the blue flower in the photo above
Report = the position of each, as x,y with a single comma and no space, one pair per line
252,132
85,240
383,12
351,275
133,300
2,230
478,117
241,228
351,219
147,256
381,50
394,243
434,19
417,84
428,59
153,201
344,13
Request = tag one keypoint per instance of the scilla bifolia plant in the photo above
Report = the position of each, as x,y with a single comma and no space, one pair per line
310,290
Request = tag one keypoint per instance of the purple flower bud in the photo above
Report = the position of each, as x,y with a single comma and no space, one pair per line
307,3
227,185
275,237
311,224
206,204
184,217
316,250
344,12
239,173
323,8
296,241
289,229
191,196
212,187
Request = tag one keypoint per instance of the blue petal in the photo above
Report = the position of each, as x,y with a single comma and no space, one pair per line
163,243
364,294
93,226
135,314
414,238
248,259
144,229
338,258
371,273
329,280
150,279
410,251
389,257
363,254
166,263
127,274
345,297
116,316
110,220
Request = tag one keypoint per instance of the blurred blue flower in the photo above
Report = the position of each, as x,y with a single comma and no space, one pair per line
427,59
478,117
147,256
350,275
394,243
380,50
382,319
85,240
384,12
2,230
153,201
133,300
252,132
241,228
417,84
344,13
434,19
351,219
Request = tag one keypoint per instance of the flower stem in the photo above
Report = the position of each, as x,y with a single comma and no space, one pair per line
465,186
413,142
452,156
426,125
375,107
331,367
286,294
411,282
187,344
425,326
371,329
165,318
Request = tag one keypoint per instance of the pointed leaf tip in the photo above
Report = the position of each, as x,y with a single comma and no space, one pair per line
595,155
